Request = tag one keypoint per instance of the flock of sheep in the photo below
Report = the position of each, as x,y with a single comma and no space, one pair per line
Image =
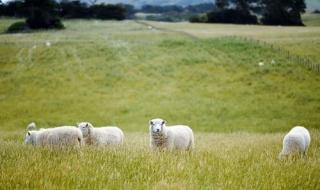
178,137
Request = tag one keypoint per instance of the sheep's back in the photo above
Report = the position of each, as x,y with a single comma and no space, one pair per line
183,135
107,135
304,132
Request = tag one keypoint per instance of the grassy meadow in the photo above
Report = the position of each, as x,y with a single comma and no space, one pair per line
124,73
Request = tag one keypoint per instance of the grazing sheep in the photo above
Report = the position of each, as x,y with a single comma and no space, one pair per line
58,136
173,137
296,141
101,135
32,126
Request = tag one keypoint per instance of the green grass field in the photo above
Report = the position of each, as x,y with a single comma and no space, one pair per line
123,73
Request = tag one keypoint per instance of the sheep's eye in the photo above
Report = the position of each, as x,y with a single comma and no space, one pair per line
163,122
151,123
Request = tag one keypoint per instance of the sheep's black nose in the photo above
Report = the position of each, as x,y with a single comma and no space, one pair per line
158,130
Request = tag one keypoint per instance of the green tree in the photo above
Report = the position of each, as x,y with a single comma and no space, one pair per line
42,14
283,12
222,4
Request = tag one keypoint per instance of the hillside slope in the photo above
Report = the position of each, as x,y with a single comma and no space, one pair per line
123,73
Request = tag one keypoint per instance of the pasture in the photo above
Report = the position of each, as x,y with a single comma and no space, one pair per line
125,73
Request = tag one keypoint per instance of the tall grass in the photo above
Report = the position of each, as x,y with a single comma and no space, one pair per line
219,161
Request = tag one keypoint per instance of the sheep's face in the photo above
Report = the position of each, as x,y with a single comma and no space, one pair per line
84,127
157,125
29,138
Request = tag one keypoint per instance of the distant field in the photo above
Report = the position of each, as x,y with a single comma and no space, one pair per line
310,19
124,73
303,41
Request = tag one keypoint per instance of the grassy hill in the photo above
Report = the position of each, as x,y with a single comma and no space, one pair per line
125,73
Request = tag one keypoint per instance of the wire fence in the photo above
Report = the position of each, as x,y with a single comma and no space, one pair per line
305,61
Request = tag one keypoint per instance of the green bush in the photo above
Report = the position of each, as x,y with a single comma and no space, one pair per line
198,18
18,27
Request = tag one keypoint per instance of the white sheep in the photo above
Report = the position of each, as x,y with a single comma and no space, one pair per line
58,136
296,141
101,135
31,126
170,137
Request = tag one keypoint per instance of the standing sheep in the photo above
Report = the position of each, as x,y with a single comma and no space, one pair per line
101,135
173,137
296,141
58,136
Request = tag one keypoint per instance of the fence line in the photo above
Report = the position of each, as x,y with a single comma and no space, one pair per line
304,61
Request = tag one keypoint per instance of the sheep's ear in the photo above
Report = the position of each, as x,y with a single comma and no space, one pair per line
164,122
87,124
29,133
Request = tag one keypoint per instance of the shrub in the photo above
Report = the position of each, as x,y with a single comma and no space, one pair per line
18,27
198,18
316,11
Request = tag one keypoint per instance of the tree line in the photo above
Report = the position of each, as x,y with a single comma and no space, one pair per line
267,12
66,9
47,13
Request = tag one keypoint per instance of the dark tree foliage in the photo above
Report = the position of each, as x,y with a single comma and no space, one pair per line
161,9
77,9
232,11
283,12
74,9
231,16
129,10
222,4
42,14
13,9
46,13
116,12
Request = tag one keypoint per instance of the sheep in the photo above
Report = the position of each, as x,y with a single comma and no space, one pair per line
102,135
174,137
31,126
296,141
58,136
